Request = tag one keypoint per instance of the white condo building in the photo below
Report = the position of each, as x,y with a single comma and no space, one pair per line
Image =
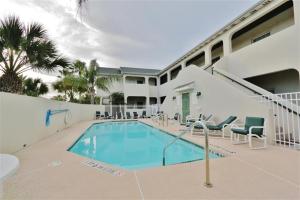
252,58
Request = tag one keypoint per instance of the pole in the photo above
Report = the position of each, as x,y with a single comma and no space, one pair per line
207,182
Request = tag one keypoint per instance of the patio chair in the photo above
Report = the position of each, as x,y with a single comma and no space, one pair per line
135,115
98,115
144,114
128,116
217,127
106,115
176,116
190,120
119,115
254,127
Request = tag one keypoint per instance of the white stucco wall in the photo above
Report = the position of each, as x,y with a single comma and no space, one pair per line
22,119
275,53
218,98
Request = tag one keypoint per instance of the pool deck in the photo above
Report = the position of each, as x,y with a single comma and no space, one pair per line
48,171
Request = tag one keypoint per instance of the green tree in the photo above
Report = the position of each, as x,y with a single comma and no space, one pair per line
34,87
70,85
58,98
117,98
24,48
94,81
79,68
81,2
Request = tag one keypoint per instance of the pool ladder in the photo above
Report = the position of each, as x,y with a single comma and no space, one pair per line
169,144
207,182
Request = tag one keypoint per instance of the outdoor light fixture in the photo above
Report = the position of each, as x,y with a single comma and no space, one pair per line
174,97
198,94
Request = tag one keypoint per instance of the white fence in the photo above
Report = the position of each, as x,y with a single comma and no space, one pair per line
286,115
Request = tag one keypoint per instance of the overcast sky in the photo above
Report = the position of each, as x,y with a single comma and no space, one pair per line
146,34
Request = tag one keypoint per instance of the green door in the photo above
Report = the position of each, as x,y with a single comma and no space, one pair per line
185,106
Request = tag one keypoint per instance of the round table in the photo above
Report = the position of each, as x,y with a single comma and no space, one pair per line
8,166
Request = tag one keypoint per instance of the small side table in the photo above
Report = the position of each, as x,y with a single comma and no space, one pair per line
8,166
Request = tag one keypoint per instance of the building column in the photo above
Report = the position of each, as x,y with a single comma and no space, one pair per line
207,57
169,75
227,46
183,64
125,95
148,94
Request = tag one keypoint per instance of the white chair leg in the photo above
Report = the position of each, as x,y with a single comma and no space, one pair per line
250,140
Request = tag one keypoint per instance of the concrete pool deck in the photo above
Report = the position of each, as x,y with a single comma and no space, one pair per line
48,171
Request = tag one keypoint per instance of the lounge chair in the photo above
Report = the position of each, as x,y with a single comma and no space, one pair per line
144,114
135,115
190,120
119,115
98,114
128,116
176,116
254,127
219,127
106,115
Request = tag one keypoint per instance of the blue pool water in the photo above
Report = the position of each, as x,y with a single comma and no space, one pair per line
134,145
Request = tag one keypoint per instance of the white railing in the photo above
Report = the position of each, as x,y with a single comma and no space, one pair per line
124,111
286,117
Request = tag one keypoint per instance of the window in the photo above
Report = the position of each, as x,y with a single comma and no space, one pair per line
261,37
214,60
152,81
164,79
198,60
140,82
175,72
140,105
162,99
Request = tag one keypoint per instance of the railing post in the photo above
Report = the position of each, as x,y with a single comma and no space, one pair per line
207,182
167,119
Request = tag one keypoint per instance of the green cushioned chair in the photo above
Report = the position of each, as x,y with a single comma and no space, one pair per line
218,127
254,127
128,116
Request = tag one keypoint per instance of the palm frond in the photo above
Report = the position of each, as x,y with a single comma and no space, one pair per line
103,84
81,2
35,31
11,32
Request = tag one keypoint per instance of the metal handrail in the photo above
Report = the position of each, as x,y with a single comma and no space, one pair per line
169,144
207,182
267,97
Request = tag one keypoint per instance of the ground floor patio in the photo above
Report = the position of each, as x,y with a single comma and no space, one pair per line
49,171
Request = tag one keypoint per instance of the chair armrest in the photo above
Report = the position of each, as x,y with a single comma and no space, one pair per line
206,122
225,125
240,126
233,122
252,127
210,122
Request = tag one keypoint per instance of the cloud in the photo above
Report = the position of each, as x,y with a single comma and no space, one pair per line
127,33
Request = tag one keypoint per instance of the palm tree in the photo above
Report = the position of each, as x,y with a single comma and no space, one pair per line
70,85
79,67
117,98
81,2
93,80
24,48
34,87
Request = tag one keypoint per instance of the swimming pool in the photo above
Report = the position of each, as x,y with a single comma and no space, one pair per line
134,145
